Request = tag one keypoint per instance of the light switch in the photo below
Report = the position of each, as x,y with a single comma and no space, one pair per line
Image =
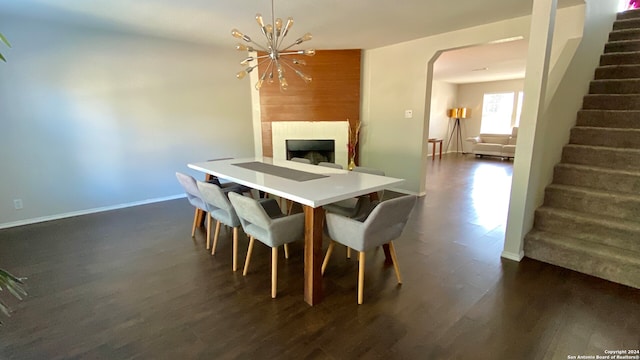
408,114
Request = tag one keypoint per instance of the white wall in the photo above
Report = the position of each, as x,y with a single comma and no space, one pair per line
472,96
92,119
444,96
395,144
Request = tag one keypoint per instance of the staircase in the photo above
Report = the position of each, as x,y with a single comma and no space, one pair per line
590,219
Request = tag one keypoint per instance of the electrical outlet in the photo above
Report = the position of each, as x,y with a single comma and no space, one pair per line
17,204
408,114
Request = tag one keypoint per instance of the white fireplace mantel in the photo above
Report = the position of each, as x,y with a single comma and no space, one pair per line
310,130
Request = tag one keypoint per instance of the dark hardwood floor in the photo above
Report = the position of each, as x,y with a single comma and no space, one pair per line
132,284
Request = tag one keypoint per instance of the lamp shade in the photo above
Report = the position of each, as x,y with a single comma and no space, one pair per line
459,113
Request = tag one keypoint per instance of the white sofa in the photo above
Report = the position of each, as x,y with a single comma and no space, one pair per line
502,145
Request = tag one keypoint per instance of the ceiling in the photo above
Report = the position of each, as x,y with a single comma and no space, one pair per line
335,24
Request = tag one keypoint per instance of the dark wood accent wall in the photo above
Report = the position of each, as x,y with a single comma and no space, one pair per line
333,95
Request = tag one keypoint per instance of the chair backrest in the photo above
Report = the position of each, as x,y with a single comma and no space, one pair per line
330,165
387,220
191,189
249,211
217,200
366,170
301,160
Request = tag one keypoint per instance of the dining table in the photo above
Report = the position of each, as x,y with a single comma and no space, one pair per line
312,186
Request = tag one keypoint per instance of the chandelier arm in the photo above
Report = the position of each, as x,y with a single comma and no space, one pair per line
260,46
290,46
292,53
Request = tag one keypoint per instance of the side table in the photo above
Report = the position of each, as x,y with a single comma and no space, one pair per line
435,141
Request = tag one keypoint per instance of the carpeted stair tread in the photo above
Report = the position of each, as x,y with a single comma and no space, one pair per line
604,230
630,23
620,266
609,118
624,71
611,101
615,86
628,14
593,201
606,179
625,34
602,136
622,46
607,157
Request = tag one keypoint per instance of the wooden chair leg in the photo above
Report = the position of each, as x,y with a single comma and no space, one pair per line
235,248
274,272
248,259
215,238
332,244
394,258
361,277
289,207
195,222
286,251
208,230
348,252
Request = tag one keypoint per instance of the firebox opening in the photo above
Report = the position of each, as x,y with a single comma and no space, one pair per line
314,150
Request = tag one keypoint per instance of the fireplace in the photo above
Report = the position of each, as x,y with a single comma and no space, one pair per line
336,131
314,150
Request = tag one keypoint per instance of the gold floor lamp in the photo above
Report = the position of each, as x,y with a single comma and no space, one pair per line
457,113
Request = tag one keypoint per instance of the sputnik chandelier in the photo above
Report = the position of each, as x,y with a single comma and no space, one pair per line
277,55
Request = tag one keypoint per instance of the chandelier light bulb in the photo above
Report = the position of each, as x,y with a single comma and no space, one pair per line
242,47
241,74
259,84
309,52
278,26
306,37
287,26
299,62
259,20
283,84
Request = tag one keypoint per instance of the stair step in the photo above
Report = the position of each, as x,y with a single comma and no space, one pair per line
617,205
597,178
606,157
622,46
617,72
626,34
620,266
632,23
611,101
609,118
620,58
615,86
616,233
609,137
628,14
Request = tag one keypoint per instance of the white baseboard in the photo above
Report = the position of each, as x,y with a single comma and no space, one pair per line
87,211
512,256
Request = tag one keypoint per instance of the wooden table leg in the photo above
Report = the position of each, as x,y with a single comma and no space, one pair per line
433,153
440,149
313,218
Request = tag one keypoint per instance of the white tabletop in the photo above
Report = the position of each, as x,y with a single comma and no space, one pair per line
338,185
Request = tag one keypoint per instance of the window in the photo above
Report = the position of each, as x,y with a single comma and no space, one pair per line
498,115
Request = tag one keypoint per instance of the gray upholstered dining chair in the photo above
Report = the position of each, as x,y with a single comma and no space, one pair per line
270,226
219,207
383,225
330,165
193,195
301,160
189,184
356,208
